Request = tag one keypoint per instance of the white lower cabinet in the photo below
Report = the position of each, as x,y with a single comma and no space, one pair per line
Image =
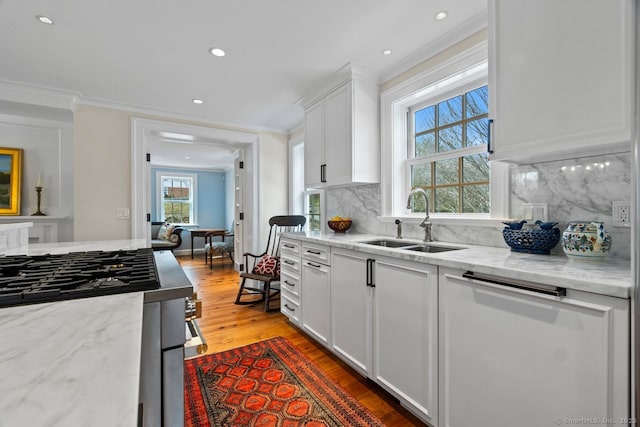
290,279
384,324
405,333
351,309
316,277
515,356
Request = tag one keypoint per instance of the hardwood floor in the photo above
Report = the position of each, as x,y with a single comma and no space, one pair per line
226,325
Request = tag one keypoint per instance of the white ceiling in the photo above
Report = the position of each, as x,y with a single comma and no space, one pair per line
153,54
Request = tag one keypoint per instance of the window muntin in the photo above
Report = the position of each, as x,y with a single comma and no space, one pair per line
177,199
447,153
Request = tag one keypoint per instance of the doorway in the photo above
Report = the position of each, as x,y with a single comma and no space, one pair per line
242,145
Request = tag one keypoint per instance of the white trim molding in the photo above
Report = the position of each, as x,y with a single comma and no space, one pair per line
465,68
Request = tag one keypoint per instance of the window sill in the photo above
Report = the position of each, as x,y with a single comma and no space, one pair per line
474,221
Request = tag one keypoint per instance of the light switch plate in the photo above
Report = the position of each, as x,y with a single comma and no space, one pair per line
122,213
535,211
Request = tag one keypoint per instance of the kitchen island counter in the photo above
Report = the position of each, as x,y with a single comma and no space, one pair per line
609,276
71,363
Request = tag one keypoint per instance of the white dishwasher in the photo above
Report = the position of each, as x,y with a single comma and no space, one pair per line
515,353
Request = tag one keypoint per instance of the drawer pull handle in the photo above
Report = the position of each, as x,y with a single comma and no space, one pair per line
518,284
289,308
288,262
310,264
288,246
309,251
288,283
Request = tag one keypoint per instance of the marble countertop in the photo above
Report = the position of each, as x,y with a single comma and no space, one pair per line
609,276
57,373
85,246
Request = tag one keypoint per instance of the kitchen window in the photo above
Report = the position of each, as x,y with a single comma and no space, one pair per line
447,153
176,198
434,129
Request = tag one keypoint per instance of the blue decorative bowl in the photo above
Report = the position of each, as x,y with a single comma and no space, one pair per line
532,241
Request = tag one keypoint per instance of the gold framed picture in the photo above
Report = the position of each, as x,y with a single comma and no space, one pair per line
10,180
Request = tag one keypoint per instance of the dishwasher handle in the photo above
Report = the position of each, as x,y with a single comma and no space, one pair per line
514,283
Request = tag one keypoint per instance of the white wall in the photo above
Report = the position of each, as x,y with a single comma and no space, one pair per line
47,146
102,150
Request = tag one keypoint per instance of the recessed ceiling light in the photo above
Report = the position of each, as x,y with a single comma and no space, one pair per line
197,101
44,19
386,52
216,51
440,15
187,157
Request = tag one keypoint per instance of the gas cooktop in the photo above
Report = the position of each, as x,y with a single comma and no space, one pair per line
46,278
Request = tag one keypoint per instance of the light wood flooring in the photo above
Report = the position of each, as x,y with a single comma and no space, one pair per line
226,325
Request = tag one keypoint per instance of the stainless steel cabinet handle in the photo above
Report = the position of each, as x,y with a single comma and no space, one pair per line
513,283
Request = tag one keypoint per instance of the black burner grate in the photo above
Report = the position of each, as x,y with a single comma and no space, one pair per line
44,278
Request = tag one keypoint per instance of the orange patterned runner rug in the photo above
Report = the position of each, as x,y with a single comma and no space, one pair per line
268,383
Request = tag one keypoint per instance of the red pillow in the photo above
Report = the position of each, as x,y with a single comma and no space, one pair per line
268,265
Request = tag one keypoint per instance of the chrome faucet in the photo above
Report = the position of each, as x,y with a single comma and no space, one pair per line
426,224
399,229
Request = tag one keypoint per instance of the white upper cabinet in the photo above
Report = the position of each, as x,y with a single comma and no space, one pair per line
561,78
342,139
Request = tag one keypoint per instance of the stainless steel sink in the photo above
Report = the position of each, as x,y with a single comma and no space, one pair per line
388,243
430,248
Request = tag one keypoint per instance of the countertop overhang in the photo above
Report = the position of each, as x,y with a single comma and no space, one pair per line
609,276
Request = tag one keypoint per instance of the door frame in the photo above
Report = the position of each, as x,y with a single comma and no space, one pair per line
141,173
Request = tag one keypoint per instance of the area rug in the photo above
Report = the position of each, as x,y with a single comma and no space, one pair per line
268,383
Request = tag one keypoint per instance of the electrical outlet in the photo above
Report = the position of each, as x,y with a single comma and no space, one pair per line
621,213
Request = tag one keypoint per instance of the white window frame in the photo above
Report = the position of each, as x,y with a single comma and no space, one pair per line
323,209
435,84
296,176
194,194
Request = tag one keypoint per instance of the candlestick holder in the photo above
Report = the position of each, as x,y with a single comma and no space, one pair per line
39,194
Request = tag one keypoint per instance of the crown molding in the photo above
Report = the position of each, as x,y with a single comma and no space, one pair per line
37,95
69,100
469,27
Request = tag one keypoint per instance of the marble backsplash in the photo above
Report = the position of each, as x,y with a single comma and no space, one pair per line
578,189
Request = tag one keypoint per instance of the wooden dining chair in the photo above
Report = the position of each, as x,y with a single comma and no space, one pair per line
264,268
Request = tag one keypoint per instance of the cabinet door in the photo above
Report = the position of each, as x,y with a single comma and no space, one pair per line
313,144
561,78
338,135
351,309
516,357
316,278
405,333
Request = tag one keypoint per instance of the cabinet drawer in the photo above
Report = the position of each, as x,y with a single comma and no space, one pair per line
290,283
290,308
290,247
316,252
289,264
